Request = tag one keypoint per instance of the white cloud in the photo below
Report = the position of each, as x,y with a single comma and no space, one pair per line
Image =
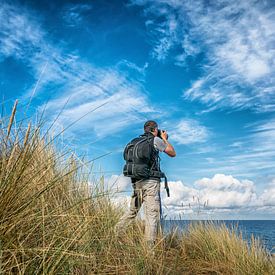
126,105
167,33
225,191
237,39
80,84
216,197
220,192
119,183
73,14
268,195
120,190
223,183
132,66
181,195
189,131
259,150
250,155
16,32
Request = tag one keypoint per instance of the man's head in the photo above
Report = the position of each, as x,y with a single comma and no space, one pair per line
151,127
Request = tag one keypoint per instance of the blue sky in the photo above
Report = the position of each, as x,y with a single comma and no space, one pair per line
203,70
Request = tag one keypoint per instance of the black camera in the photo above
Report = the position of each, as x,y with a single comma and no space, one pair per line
159,133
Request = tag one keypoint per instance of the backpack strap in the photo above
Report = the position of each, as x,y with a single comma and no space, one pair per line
158,174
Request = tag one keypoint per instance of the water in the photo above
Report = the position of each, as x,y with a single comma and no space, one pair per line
262,229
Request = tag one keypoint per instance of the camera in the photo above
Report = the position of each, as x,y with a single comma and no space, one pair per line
159,133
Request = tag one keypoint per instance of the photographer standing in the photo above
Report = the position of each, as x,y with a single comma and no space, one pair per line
143,166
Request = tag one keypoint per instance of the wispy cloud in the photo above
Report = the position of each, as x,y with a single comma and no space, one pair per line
237,40
17,34
126,105
73,14
250,155
255,151
133,69
189,131
66,76
168,35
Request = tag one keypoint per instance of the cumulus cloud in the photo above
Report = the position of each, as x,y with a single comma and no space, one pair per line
223,183
219,196
224,191
119,183
268,195
181,194
222,196
220,193
189,131
120,188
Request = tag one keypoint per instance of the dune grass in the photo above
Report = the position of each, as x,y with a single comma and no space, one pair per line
53,220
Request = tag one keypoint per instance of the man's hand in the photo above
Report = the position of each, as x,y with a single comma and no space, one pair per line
170,151
163,135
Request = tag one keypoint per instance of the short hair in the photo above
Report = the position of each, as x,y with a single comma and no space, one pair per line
149,126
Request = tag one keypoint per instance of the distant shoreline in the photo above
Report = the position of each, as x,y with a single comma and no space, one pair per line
262,229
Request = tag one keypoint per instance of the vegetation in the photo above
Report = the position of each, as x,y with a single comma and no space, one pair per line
54,221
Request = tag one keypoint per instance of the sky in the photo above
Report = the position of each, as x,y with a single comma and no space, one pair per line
204,70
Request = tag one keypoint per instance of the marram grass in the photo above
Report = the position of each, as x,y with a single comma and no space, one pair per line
54,221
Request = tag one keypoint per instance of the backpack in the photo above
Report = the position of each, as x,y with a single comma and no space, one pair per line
140,156
142,160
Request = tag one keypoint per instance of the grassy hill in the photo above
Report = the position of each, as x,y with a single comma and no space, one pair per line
53,221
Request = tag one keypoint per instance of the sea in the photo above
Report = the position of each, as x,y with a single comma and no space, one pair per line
262,229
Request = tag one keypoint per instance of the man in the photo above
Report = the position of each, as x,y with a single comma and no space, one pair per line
147,190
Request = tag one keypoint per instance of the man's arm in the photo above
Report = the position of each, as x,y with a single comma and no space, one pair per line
170,151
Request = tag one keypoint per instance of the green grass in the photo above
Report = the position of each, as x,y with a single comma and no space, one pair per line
53,221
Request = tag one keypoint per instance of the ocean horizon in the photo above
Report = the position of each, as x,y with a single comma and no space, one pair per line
264,230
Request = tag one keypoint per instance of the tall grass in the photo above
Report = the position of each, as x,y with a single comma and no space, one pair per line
54,221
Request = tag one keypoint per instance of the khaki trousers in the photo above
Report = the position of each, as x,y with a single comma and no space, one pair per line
146,192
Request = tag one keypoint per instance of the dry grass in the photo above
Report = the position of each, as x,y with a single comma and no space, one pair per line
53,222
